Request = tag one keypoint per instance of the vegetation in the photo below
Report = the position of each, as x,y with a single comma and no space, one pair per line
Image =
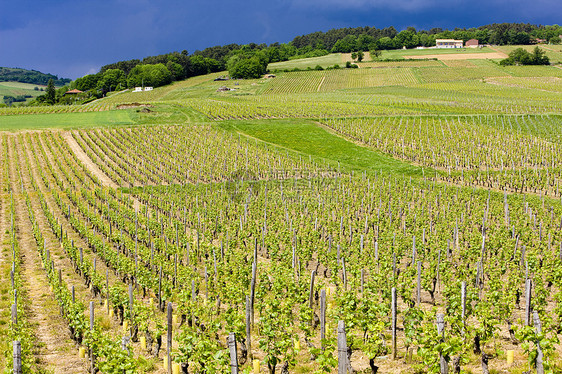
247,65
29,76
520,56
347,40
9,100
436,181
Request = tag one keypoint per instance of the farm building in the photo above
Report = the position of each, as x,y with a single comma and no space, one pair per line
471,43
448,43
73,92
137,89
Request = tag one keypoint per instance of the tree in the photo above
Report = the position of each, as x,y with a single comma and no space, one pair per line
375,54
520,56
50,94
359,56
538,57
385,43
87,82
111,80
245,68
149,75
175,69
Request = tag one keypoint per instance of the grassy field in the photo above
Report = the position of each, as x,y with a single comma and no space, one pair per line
66,120
553,52
17,89
310,139
324,61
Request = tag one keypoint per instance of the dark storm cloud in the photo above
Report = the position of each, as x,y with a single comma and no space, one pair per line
73,38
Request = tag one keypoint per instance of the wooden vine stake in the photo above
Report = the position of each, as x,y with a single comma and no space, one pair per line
169,338
463,305
394,312
342,348
444,367
528,287
160,288
17,357
131,301
539,361
322,317
418,289
311,291
15,311
233,353
248,326
92,359
253,289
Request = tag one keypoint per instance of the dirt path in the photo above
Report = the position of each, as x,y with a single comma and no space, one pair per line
83,157
93,168
63,261
55,350
320,85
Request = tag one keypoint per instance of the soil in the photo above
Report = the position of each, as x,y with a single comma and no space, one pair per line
133,105
345,57
54,350
83,157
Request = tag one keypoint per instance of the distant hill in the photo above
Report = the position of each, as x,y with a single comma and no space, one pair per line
29,76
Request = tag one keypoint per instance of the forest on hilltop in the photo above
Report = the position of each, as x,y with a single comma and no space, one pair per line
30,76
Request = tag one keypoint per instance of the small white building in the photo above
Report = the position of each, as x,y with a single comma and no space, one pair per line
448,43
148,88
137,89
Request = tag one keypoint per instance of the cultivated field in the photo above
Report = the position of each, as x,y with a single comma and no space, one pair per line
18,89
374,201
461,56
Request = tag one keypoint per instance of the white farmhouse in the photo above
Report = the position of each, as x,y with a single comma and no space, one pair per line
448,43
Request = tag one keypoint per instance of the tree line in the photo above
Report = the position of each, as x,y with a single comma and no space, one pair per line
251,60
347,40
30,76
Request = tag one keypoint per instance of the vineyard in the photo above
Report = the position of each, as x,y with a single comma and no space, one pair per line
403,217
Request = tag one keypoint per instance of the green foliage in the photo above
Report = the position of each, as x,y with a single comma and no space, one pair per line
50,92
8,99
87,82
111,80
149,75
246,68
375,53
29,76
532,340
520,56
358,56
346,45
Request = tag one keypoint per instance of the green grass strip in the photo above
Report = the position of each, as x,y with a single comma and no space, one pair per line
309,138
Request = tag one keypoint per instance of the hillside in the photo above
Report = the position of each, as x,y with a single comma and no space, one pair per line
29,76
19,92
425,185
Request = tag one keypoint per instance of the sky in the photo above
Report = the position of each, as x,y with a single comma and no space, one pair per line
72,38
